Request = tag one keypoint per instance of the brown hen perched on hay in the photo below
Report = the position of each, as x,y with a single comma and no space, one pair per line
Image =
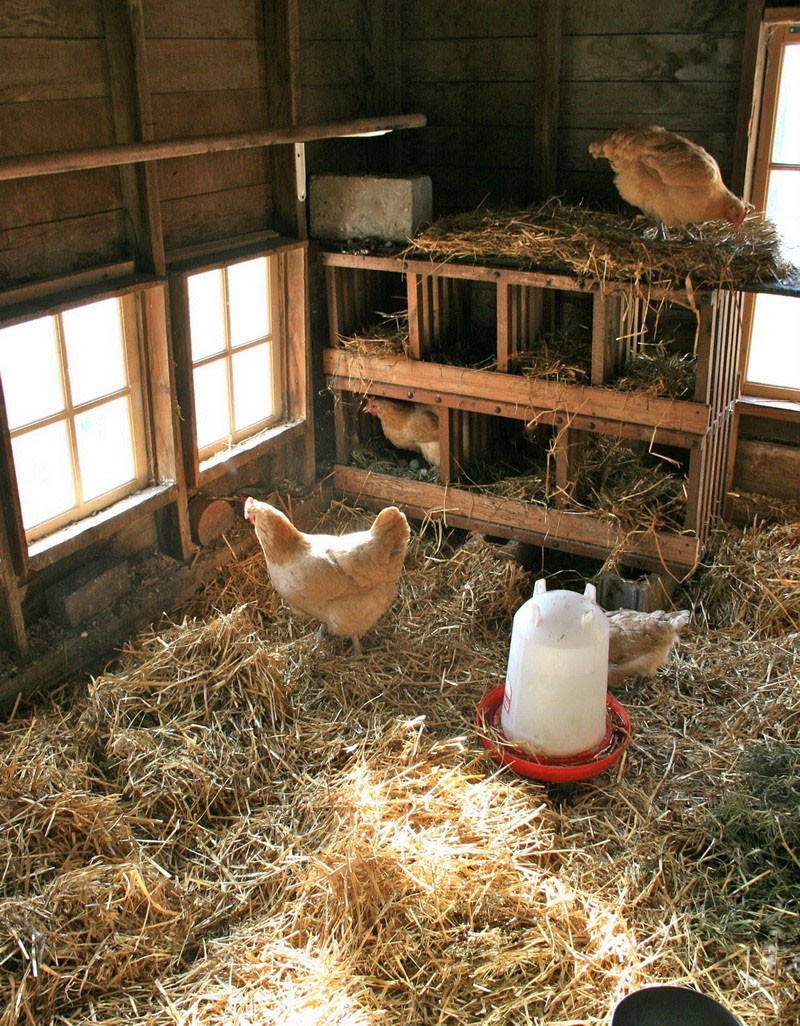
347,581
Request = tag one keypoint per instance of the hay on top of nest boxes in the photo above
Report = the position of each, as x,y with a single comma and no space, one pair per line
235,824
609,247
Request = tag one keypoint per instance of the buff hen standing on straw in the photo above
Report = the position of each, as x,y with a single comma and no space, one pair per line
347,581
668,177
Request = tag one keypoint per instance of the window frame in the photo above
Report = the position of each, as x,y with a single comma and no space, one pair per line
132,391
292,358
146,297
774,33
220,449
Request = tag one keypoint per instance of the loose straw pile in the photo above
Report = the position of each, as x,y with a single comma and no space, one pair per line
235,824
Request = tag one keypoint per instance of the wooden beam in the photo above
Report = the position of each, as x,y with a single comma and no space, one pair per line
133,122
281,49
548,60
111,156
751,85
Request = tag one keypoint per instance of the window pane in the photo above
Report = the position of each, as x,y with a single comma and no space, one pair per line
252,386
211,403
44,474
105,448
786,148
29,367
783,208
247,301
206,314
774,353
95,350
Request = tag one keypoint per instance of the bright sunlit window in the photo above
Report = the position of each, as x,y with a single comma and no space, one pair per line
773,361
71,387
235,353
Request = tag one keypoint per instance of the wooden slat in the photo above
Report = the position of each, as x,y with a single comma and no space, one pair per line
686,107
57,248
189,18
297,351
281,56
14,545
133,122
47,20
474,60
181,115
218,215
43,201
548,67
52,69
511,394
40,126
640,58
553,528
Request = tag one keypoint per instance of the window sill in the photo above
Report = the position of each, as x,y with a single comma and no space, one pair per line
99,526
229,460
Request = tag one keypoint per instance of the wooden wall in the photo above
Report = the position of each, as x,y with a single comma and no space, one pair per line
478,71
55,95
76,75
672,63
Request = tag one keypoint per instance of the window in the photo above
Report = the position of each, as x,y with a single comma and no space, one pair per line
234,329
73,403
772,325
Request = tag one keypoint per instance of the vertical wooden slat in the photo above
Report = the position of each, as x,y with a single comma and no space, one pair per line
332,279
12,624
16,545
504,326
341,427
167,442
417,345
706,311
751,83
281,60
184,379
133,122
548,65
605,325
298,352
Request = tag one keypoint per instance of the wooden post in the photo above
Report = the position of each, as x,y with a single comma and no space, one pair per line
281,45
133,122
548,60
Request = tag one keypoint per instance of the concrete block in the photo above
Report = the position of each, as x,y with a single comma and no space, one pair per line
386,207
88,591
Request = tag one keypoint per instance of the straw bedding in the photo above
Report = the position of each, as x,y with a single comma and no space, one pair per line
235,825
606,246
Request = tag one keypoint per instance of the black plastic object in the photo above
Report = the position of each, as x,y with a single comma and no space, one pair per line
671,1006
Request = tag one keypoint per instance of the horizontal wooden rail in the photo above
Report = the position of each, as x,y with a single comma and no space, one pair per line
134,153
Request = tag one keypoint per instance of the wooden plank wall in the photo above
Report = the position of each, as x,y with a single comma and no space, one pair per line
672,63
350,68
475,71
206,65
55,95
60,73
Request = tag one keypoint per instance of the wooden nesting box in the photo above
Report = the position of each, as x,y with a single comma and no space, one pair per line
468,328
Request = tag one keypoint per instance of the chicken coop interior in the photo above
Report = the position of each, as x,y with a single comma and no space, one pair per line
400,494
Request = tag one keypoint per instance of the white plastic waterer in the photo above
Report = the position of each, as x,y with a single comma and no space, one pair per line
554,703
